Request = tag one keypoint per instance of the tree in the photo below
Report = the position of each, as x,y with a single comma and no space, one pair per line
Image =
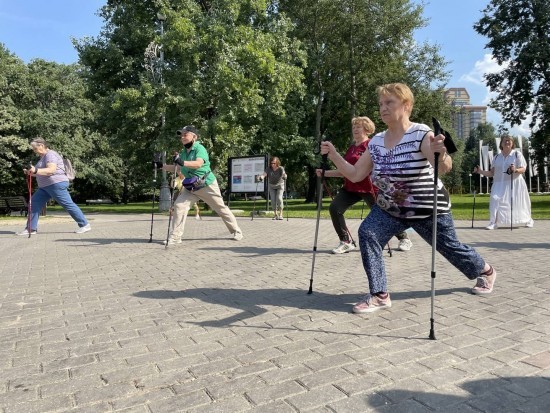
230,69
354,46
518,39
14,149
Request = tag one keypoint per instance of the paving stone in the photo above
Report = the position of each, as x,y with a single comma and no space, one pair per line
103,322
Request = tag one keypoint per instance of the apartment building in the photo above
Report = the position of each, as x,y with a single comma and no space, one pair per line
466,116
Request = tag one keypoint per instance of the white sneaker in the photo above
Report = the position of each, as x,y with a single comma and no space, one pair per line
83,229
530,224
198,217
237,236
490,226
172,241
343,247
405,244
26,232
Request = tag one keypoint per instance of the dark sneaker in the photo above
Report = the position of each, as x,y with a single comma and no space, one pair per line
371,303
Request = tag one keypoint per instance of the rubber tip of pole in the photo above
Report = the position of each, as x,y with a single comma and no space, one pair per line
310,291
432,335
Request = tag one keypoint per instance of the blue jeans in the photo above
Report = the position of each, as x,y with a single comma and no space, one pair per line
378,228
59,192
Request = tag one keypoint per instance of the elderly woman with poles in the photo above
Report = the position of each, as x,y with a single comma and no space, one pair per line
510,203
353,192
402,162
53,183
276,184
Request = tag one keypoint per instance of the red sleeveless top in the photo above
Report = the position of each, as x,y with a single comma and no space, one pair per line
352,156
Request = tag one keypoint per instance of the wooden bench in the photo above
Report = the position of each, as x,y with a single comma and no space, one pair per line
17,204
4,208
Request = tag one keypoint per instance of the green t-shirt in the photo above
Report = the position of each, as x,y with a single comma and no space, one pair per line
197,151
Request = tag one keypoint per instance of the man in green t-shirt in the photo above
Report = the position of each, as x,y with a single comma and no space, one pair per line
193,161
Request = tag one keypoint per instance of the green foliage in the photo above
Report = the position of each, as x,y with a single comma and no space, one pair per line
517,32
255,76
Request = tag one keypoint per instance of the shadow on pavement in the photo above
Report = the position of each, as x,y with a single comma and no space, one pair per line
509,394
251,302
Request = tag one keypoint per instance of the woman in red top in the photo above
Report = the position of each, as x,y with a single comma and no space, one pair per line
353,192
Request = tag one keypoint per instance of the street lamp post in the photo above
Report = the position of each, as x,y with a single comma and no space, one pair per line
154,62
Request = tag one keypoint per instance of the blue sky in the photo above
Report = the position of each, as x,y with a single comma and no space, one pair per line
43,29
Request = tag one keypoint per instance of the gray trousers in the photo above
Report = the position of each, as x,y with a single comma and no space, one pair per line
276,196
212,196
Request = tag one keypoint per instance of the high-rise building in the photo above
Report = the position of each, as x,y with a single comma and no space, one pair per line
466,116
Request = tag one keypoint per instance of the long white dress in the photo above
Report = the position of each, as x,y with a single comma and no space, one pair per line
502,206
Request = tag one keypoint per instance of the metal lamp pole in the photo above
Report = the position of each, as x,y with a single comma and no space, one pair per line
470,175
154,62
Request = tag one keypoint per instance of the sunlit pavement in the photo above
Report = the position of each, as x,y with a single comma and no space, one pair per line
107,321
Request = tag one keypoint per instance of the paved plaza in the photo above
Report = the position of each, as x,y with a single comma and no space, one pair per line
106,321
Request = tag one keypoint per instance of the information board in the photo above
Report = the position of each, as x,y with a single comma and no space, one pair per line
244,172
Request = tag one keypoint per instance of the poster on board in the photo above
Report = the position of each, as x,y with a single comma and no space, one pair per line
244,172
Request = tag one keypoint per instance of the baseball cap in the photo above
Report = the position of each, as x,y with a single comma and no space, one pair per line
189,128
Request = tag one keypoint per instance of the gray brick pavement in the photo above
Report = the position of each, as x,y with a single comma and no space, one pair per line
106,321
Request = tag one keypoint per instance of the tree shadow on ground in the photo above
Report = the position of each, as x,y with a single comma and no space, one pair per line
501,394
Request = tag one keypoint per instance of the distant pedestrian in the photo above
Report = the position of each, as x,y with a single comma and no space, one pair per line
276,181
53,183
509,194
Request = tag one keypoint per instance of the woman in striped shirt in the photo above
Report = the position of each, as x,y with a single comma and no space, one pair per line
400,160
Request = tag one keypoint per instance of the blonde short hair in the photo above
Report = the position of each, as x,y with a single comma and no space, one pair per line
366,123
400,90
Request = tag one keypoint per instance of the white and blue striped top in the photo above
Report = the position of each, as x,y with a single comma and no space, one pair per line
405,178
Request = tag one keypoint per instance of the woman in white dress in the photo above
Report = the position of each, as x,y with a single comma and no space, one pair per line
508,167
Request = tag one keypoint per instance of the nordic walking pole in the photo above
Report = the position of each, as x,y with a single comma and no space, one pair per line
437,131
29,204
324,161
511,198
153,200
451,148
474,208
434,242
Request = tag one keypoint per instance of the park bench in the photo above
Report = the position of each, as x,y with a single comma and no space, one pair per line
17,204
4,208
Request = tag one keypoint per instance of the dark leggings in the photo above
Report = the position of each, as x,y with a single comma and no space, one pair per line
341,203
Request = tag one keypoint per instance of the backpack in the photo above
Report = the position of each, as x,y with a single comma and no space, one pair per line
69,170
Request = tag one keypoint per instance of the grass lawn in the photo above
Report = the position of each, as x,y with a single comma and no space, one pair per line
461,207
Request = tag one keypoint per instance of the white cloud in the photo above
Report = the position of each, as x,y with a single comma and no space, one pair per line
482,67
476,77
